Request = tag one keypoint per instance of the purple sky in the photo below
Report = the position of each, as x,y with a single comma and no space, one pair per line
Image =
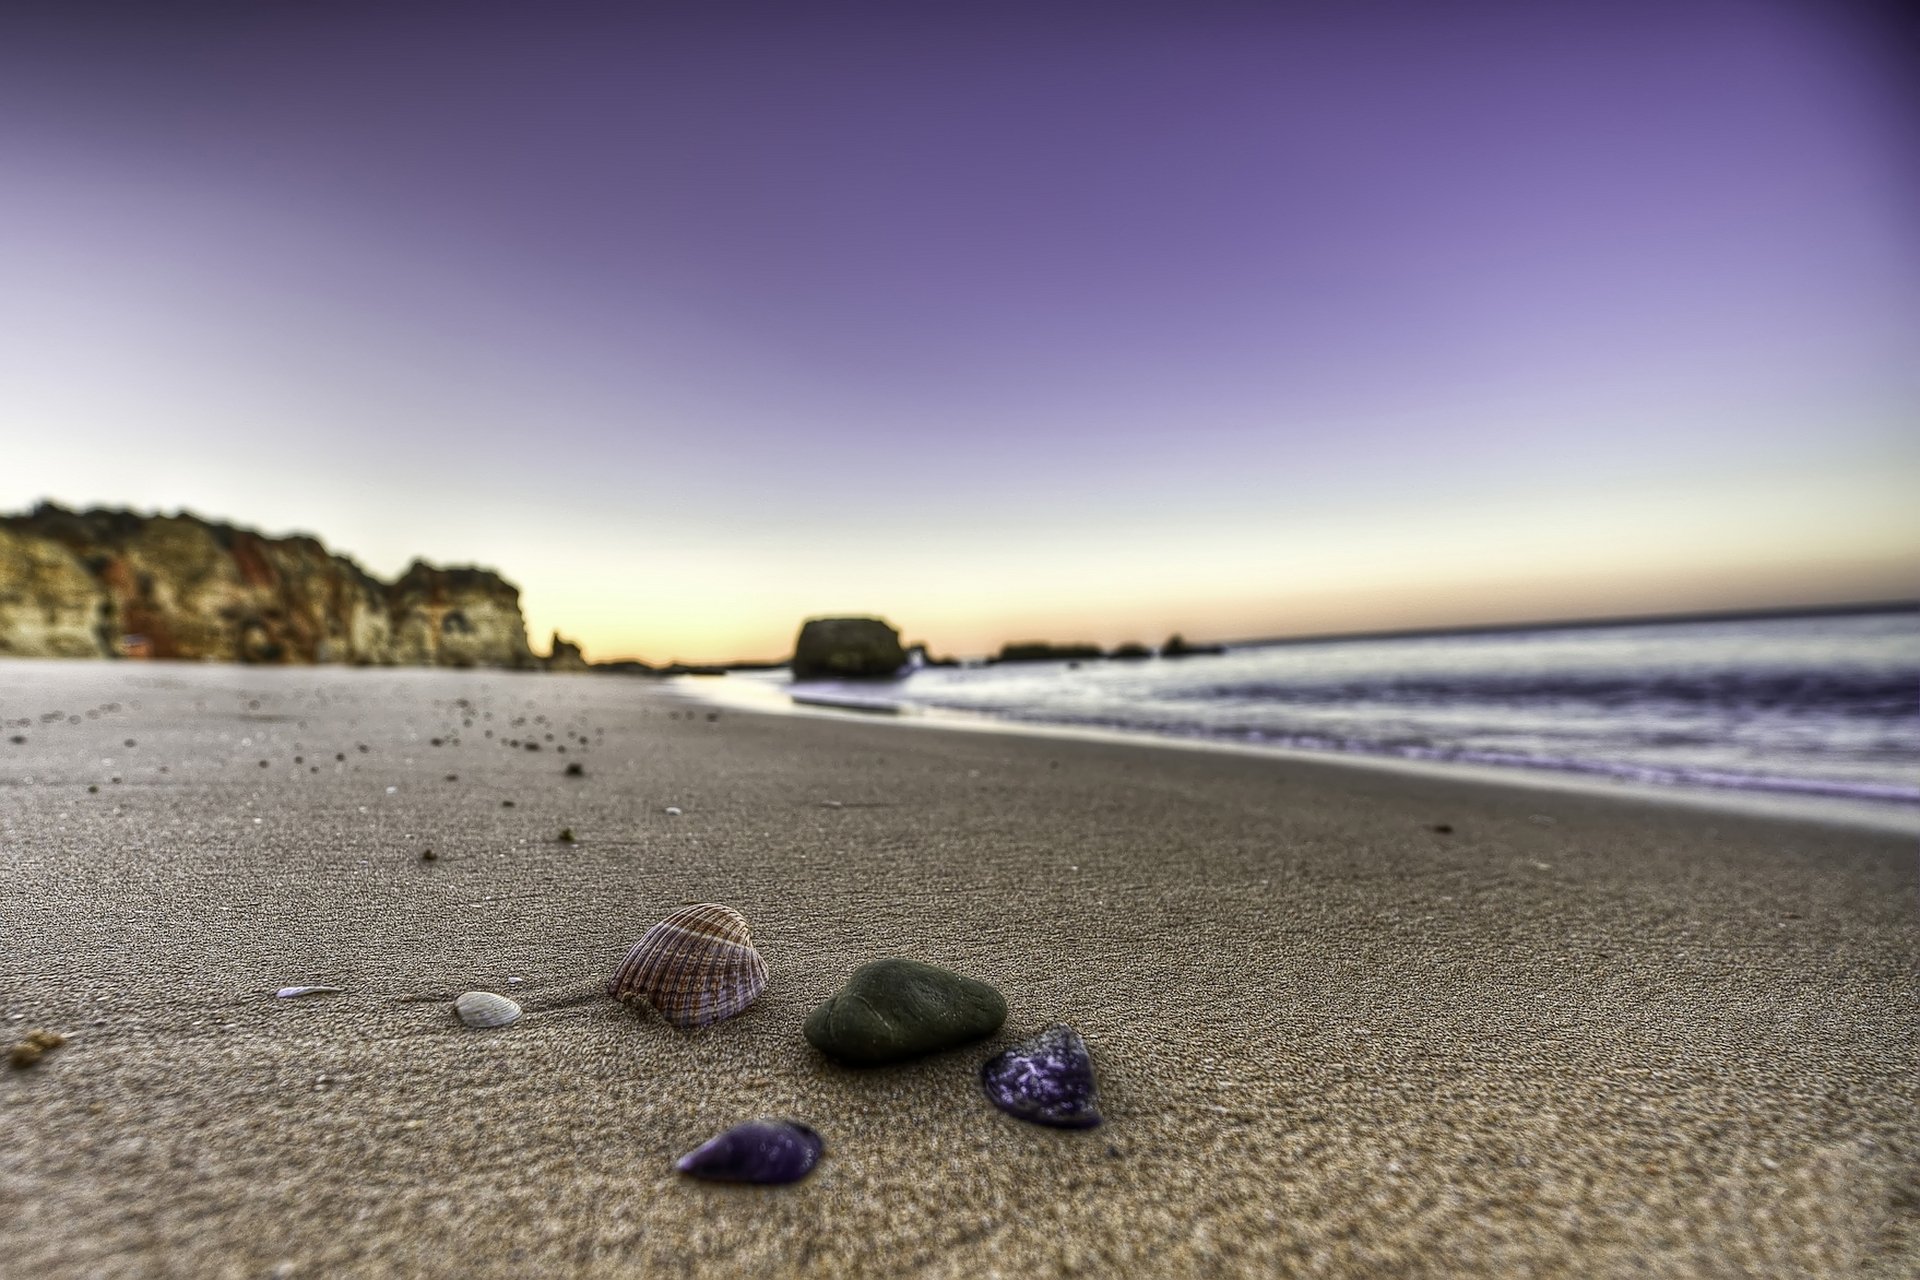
1247,319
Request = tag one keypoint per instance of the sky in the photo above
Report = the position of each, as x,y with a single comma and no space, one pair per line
1068,322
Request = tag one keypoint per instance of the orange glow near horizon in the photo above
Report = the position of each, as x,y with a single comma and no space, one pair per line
1793,542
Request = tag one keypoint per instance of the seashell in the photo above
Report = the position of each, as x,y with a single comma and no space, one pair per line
698,966
294,993
485,1009
1048,1080
764,1151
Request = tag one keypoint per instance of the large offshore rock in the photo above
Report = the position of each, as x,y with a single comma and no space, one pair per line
182,587
847,648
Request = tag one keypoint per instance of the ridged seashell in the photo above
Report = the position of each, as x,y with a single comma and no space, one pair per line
764,1151
485,1009
696,967
1048,1080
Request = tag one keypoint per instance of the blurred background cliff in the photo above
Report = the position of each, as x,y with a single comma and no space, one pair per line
100,584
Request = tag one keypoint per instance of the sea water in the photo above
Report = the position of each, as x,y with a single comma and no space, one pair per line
1808,705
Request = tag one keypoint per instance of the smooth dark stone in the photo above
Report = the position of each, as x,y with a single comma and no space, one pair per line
762,1151
1048,1080
892,1010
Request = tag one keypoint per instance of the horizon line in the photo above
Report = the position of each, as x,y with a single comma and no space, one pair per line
1899,605
1907,604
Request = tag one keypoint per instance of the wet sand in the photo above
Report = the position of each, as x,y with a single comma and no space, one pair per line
1577,1035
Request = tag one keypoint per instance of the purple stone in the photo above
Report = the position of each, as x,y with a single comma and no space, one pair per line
765,1151
1048,1080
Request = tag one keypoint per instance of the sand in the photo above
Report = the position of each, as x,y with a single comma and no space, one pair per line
1580,1035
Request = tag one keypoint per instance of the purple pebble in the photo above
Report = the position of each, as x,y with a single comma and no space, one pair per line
1048,1080
763,1151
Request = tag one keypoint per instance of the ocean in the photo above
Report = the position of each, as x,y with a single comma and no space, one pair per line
1816,706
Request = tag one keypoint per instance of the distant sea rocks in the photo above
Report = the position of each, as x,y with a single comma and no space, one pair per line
1047,651
109,583
1042,651
1177,647
847,648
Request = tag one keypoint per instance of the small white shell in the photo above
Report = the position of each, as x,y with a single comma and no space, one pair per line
294,993
485,1009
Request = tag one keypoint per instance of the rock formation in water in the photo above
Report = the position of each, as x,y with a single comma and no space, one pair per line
1177,647
1046,651
109,583
847,648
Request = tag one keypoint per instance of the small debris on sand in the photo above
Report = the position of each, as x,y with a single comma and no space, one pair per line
294,993
566,835
34,1046
576,771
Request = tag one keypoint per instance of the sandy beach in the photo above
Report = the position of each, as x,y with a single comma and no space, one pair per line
1575,1035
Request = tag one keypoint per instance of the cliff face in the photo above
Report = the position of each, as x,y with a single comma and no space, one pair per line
119,584
457,618
565,655
50,606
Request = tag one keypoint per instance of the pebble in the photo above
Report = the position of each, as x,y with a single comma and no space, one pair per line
1047,1080
32,1047
896,1009
767,1152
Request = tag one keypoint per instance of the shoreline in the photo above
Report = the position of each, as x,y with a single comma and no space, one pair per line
1866,813
1346,1022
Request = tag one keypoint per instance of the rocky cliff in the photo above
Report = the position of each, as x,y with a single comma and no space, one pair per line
565,655
119,584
